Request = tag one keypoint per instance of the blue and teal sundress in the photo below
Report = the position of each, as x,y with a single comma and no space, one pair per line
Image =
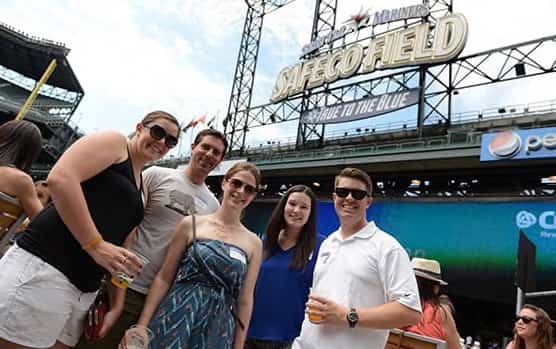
197,312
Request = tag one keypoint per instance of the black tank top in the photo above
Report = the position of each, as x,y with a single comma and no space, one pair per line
116,206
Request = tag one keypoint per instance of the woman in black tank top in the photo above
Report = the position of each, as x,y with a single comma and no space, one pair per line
20,146
96,191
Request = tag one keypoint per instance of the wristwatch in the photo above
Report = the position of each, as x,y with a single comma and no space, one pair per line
352,317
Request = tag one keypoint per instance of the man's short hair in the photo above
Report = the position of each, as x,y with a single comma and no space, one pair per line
214,133
355,173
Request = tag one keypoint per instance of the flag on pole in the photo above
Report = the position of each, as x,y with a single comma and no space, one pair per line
210,122
195,121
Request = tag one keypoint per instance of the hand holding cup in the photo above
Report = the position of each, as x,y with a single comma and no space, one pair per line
136,337
122,278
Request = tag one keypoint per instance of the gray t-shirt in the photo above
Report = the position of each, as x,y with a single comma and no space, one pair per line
164,186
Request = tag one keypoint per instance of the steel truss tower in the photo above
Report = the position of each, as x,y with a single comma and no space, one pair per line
324,21
438,82
236,121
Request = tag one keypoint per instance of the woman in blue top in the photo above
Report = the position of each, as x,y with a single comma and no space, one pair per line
290,250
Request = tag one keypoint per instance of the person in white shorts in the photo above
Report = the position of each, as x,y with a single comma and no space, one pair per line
363,283
163,187
51,275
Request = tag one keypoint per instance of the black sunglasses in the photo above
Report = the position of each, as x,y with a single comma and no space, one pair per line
357,194
525,319
158,133
237,184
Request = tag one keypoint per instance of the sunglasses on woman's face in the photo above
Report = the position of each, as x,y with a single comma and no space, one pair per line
158,133
525,319
357,194
237,184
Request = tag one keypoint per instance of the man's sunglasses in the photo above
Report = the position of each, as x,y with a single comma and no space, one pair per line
357,194
158,133
525,319
237,184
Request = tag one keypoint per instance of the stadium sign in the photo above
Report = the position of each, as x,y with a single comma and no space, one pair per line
362,108
519,144
409,46
363,20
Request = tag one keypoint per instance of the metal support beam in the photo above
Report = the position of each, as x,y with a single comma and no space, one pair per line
235,126
438,82
33,95
467,72
324,21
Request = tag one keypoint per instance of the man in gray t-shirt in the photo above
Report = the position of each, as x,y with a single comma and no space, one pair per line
163,187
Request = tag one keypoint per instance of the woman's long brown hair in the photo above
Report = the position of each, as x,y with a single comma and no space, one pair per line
307,237
544,329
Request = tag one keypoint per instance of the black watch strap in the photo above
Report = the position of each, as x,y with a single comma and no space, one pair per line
352,317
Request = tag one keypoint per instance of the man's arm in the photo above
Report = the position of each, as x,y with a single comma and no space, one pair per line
390,315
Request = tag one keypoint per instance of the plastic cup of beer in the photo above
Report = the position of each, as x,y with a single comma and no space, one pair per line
121,279
313,317
138,337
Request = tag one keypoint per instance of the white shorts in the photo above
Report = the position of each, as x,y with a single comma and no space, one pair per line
38,304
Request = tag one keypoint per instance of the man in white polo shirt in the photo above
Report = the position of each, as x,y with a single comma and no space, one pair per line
363,283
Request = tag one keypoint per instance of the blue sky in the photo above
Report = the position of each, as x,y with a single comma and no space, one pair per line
132,57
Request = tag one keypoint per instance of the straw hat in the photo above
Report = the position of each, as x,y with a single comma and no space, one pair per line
428,269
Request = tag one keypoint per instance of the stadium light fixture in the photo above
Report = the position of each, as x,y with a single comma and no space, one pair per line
501,110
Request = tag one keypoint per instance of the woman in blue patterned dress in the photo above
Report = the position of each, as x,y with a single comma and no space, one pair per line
203,295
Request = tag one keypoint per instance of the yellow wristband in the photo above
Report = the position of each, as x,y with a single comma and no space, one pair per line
92,244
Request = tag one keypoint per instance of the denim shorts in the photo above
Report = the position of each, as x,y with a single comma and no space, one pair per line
38,304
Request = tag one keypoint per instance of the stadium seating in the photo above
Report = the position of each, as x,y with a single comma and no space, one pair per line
11,216
399,339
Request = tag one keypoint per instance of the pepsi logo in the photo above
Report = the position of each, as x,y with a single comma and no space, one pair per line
505,145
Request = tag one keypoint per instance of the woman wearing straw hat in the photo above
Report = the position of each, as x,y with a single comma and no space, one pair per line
437,320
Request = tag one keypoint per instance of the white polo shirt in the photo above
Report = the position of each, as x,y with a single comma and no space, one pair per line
368,269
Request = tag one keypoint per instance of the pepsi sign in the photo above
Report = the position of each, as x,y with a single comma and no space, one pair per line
519,144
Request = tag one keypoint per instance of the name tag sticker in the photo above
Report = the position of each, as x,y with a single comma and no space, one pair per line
235,254
324,257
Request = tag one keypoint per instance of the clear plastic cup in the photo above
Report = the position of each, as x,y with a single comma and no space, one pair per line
138,337
313,317
121,279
